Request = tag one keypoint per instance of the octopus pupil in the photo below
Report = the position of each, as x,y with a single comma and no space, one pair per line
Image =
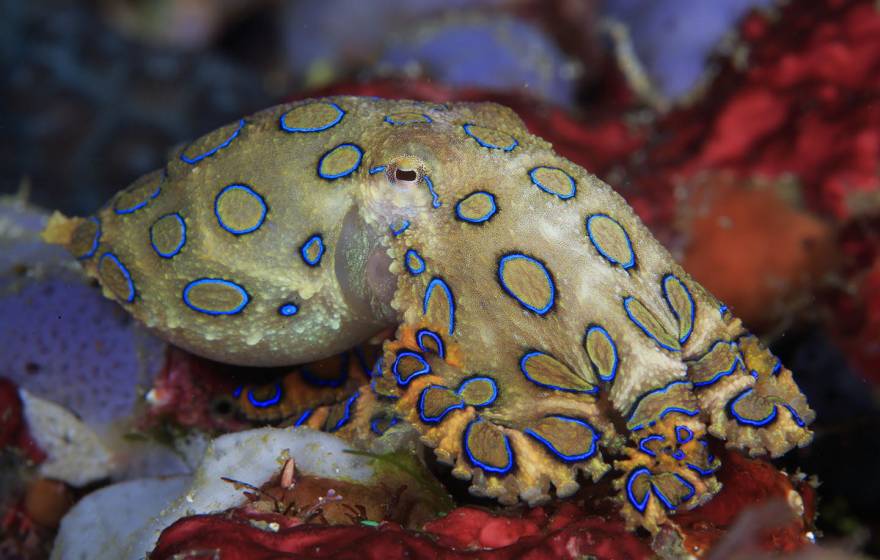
405,175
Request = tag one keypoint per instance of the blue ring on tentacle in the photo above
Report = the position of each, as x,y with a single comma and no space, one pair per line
667,410
643,328
522,367
632,254
435,419
678,455
540,185
795,416
613,344
470,380
400,229
346,416
374,425
347,172
331,124
376,169
180,243
139,205
644,442
722,309
683,338
630,480
288,309
551,300
426,367
248,190
376,371
316,381
415,271
96,240
304,250
700,471
688,434
777,368
303,418
482,219
441,348
568,458
271,401
437,281
245,298
214,150
731,407
488,468
666,503
435,199
392,122
737,361
123,270
483,143
237,392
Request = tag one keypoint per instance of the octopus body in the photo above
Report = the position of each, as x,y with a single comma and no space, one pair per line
542,334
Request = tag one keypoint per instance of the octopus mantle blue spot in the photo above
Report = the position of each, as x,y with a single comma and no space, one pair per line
544,339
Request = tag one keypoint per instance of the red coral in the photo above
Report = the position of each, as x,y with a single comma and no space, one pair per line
13,430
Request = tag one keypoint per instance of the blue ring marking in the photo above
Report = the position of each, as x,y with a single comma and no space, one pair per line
331,124
237,392
346,416
548,190
777,368
688,434
180,244
415,271
630,480
249,191
376,169
643,328
491,381
212,151
678,455
303,418
426,367
125,273
377,368
441,348
437,281
483,143
347,172
435,419
435,199
304,250
488,468
138,205
644,442
374,425
551,300
271,401
722,309
683,338
632,254
245,298
663,389
568,458
737,361
666,503
731,407
681,410
391,121
95,241
288,309
400,229
481,219
613,348
795,416
522,367
709,456
701,471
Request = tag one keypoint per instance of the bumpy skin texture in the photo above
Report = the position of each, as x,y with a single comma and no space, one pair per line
541,330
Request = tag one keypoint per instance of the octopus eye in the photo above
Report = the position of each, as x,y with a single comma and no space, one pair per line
406,175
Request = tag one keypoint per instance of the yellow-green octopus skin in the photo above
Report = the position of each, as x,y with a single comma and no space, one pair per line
541,330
